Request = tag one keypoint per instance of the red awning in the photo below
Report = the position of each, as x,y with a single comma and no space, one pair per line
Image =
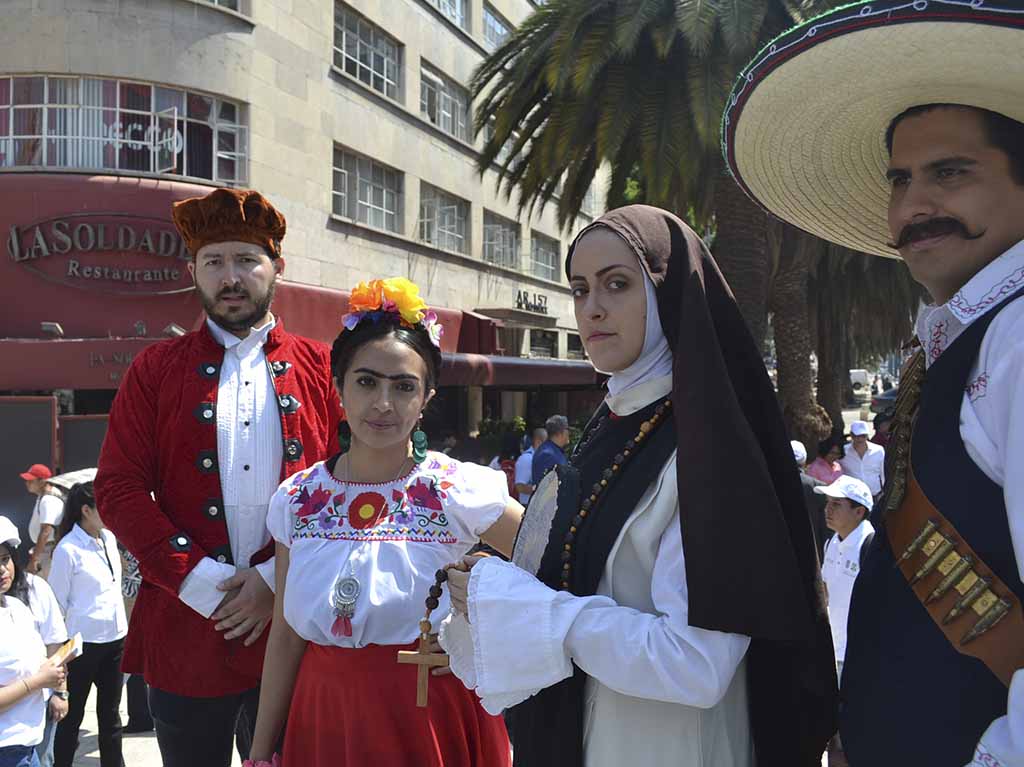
486,370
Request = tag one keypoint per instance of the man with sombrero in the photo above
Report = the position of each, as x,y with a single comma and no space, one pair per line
202,431
897,129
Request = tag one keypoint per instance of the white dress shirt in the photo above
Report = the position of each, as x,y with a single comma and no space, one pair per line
21,654
46,611
49,510
870,469
86,579
839,570
249,454
992,427
524,474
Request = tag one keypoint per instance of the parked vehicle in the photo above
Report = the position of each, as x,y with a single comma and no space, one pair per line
884,401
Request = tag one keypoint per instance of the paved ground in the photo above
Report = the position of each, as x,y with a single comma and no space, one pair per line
139,750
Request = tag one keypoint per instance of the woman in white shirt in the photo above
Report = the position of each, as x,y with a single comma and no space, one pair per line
25,671
35,593
359,540
86,579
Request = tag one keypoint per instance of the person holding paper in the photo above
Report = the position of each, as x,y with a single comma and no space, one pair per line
86,579
25,671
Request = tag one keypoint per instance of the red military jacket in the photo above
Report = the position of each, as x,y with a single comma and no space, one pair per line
162,439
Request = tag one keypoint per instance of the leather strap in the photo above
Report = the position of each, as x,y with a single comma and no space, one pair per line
1001,646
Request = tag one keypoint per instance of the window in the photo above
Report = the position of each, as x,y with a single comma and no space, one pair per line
362,50
501,241
496,29
589,203
544,256
444,220
455,10
575,350
543,343
105,124
231,4
367,191
506,148
444,103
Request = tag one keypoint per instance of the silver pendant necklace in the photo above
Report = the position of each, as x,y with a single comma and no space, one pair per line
347,588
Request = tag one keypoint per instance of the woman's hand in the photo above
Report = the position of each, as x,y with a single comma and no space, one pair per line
458,583
51,674
58,708
435,647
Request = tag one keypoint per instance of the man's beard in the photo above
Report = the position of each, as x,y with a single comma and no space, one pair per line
238,322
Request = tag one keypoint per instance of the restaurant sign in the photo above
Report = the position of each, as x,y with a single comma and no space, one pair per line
104,252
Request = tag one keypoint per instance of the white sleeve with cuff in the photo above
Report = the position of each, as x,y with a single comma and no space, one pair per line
266,571
523,636
199,589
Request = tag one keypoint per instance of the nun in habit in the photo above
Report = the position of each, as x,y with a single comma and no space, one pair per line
658,610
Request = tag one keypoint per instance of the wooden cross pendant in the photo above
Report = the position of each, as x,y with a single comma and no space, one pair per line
425,660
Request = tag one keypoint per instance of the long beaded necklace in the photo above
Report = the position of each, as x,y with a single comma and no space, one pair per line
598,489
421,656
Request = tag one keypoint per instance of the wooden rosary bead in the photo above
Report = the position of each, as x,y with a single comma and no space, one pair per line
435,592
441,576
432,603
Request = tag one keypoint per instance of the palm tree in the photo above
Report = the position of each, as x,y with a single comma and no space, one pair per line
862,306
637,84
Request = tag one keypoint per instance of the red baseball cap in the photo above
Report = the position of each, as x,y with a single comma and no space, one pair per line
37,471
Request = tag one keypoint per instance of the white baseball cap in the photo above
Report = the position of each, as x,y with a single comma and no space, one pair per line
799,452
859,428
9,533
850,488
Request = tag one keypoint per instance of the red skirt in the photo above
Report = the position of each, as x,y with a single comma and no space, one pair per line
357,708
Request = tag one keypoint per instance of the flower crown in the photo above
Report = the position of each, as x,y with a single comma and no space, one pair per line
378,299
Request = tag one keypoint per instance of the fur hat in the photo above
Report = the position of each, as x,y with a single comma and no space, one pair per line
229,214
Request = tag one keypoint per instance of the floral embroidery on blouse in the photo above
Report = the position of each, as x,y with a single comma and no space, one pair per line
413,513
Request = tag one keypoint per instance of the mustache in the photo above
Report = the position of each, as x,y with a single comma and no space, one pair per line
233,292
934,227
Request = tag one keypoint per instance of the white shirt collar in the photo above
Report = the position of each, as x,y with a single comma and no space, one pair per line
256,337
639,396
938,326
84,539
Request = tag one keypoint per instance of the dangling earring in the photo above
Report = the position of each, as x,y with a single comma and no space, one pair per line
419,444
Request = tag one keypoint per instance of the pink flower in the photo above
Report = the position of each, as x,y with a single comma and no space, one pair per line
311,503
424,495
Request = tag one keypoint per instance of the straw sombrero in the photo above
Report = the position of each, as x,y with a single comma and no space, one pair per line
804,128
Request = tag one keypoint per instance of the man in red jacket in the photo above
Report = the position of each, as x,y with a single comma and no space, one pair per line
203,429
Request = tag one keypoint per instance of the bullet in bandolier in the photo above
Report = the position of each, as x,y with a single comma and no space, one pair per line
992,616
972,594
930,527
945,545
959,570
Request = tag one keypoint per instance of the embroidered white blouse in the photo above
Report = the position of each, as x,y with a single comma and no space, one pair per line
391,537
992,427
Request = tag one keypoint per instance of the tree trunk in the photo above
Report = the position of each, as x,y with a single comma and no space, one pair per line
833,372
741,251
807,421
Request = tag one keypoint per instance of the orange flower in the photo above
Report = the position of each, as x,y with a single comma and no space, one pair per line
366,297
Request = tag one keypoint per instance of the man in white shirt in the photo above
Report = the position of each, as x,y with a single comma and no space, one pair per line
46,516
524,467
864,460
932,161
203,430
846,511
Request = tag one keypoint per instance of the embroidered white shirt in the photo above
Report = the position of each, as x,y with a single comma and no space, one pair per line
249,453
49,510
992,427
21,654
391,537
870,469
524,474
839,570
46,611
86,579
